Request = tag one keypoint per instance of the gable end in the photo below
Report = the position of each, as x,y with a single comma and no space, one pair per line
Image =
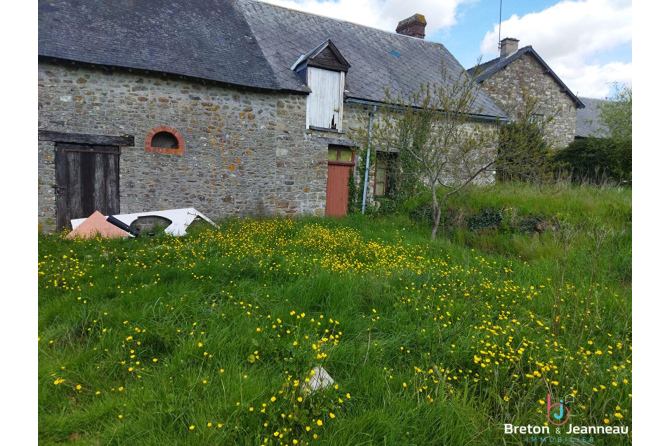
492,67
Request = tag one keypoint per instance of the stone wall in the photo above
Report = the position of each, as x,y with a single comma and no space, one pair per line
246,151
506,88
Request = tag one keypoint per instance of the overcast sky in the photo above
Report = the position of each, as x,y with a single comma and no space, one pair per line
588,43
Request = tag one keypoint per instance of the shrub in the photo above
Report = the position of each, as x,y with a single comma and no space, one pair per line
597,160
524,155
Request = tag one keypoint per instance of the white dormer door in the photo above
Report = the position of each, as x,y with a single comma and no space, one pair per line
324,103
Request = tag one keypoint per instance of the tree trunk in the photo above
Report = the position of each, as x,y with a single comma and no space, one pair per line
436,223
436,212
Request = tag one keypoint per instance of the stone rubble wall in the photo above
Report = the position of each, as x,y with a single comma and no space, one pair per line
246,151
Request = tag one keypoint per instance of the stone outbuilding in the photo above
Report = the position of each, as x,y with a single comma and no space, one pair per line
522,70
236,108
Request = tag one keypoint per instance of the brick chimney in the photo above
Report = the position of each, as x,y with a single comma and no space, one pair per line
508,46
414,26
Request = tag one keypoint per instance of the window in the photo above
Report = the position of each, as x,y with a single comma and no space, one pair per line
164,140
342,155
381,179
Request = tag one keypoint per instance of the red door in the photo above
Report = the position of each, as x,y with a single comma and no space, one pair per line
340,164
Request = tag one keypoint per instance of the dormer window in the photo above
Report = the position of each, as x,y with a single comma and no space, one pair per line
323,70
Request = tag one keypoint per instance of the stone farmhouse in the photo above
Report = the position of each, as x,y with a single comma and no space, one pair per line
517,70
231,107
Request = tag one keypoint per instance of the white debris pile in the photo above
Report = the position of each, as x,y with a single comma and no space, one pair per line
179,218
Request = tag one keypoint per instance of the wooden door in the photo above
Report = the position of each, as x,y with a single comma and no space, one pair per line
325,101
87,179
340,164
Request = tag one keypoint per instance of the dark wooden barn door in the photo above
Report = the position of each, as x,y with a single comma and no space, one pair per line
340,164
87,179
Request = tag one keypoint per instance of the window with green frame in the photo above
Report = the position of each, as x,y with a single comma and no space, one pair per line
341,154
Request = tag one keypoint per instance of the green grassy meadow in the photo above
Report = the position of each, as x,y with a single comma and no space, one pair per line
208,339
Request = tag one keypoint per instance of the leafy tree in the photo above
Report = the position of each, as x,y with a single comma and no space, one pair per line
608,156
617,114
524,152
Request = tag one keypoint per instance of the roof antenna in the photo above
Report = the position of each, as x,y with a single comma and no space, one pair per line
499,29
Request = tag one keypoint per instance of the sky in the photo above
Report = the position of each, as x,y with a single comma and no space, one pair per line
587,43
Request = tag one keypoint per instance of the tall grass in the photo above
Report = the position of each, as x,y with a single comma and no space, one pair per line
208,338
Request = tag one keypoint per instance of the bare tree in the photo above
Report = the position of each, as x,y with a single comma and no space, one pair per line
436,126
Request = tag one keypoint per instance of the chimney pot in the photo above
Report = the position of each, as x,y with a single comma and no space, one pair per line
508,46
414,26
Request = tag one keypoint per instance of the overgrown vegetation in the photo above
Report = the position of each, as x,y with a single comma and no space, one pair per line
524,152
616,115
608,155
597,160
208,338
445,151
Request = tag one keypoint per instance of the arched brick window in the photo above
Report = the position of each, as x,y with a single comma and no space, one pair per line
164,139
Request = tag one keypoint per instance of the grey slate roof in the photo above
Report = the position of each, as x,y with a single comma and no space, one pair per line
587,119
485,70
285,34
206,39
480,69
238,42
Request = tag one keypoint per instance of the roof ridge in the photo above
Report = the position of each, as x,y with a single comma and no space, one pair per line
500,58
338,20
